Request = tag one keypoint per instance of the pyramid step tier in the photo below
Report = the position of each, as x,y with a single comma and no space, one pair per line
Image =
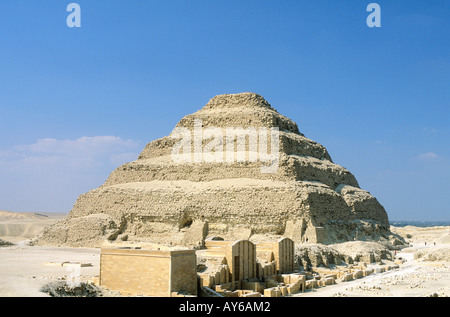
262,205
291,167
289,143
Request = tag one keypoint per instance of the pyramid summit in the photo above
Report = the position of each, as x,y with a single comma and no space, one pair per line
237,169
240,110
241,100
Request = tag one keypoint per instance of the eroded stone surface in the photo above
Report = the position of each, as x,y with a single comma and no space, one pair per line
307,198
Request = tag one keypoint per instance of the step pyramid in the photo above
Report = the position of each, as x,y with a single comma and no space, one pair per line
235,169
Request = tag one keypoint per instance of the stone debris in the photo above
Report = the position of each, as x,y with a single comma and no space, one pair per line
5,243
64,289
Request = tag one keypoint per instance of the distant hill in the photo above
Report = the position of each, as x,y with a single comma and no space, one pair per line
403,223
17,226
14,216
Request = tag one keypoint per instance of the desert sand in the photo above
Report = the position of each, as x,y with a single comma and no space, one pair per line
25,269
425,271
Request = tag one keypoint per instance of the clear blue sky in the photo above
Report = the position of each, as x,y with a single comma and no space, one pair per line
75,103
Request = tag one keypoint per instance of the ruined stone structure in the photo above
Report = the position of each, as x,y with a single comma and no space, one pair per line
223,269
244,265
182,189
237,258
282,252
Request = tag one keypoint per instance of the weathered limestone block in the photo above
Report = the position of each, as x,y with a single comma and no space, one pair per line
312,284
196,233
367,272
316,234
271,282
222,287
293,288
347,277
284,290
277,292
253,286
334,276
227,293
206,280
270,292
358,274
329,280
253,294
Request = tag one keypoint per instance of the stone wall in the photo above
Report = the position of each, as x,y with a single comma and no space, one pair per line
148,272
283,253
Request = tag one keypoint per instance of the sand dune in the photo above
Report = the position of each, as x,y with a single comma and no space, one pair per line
11,216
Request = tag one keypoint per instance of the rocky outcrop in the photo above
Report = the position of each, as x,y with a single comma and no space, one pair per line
250,173
90,230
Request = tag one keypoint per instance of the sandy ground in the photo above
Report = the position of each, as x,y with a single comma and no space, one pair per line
24,269
416,277
412,279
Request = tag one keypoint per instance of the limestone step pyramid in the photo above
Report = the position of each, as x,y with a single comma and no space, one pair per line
236,169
